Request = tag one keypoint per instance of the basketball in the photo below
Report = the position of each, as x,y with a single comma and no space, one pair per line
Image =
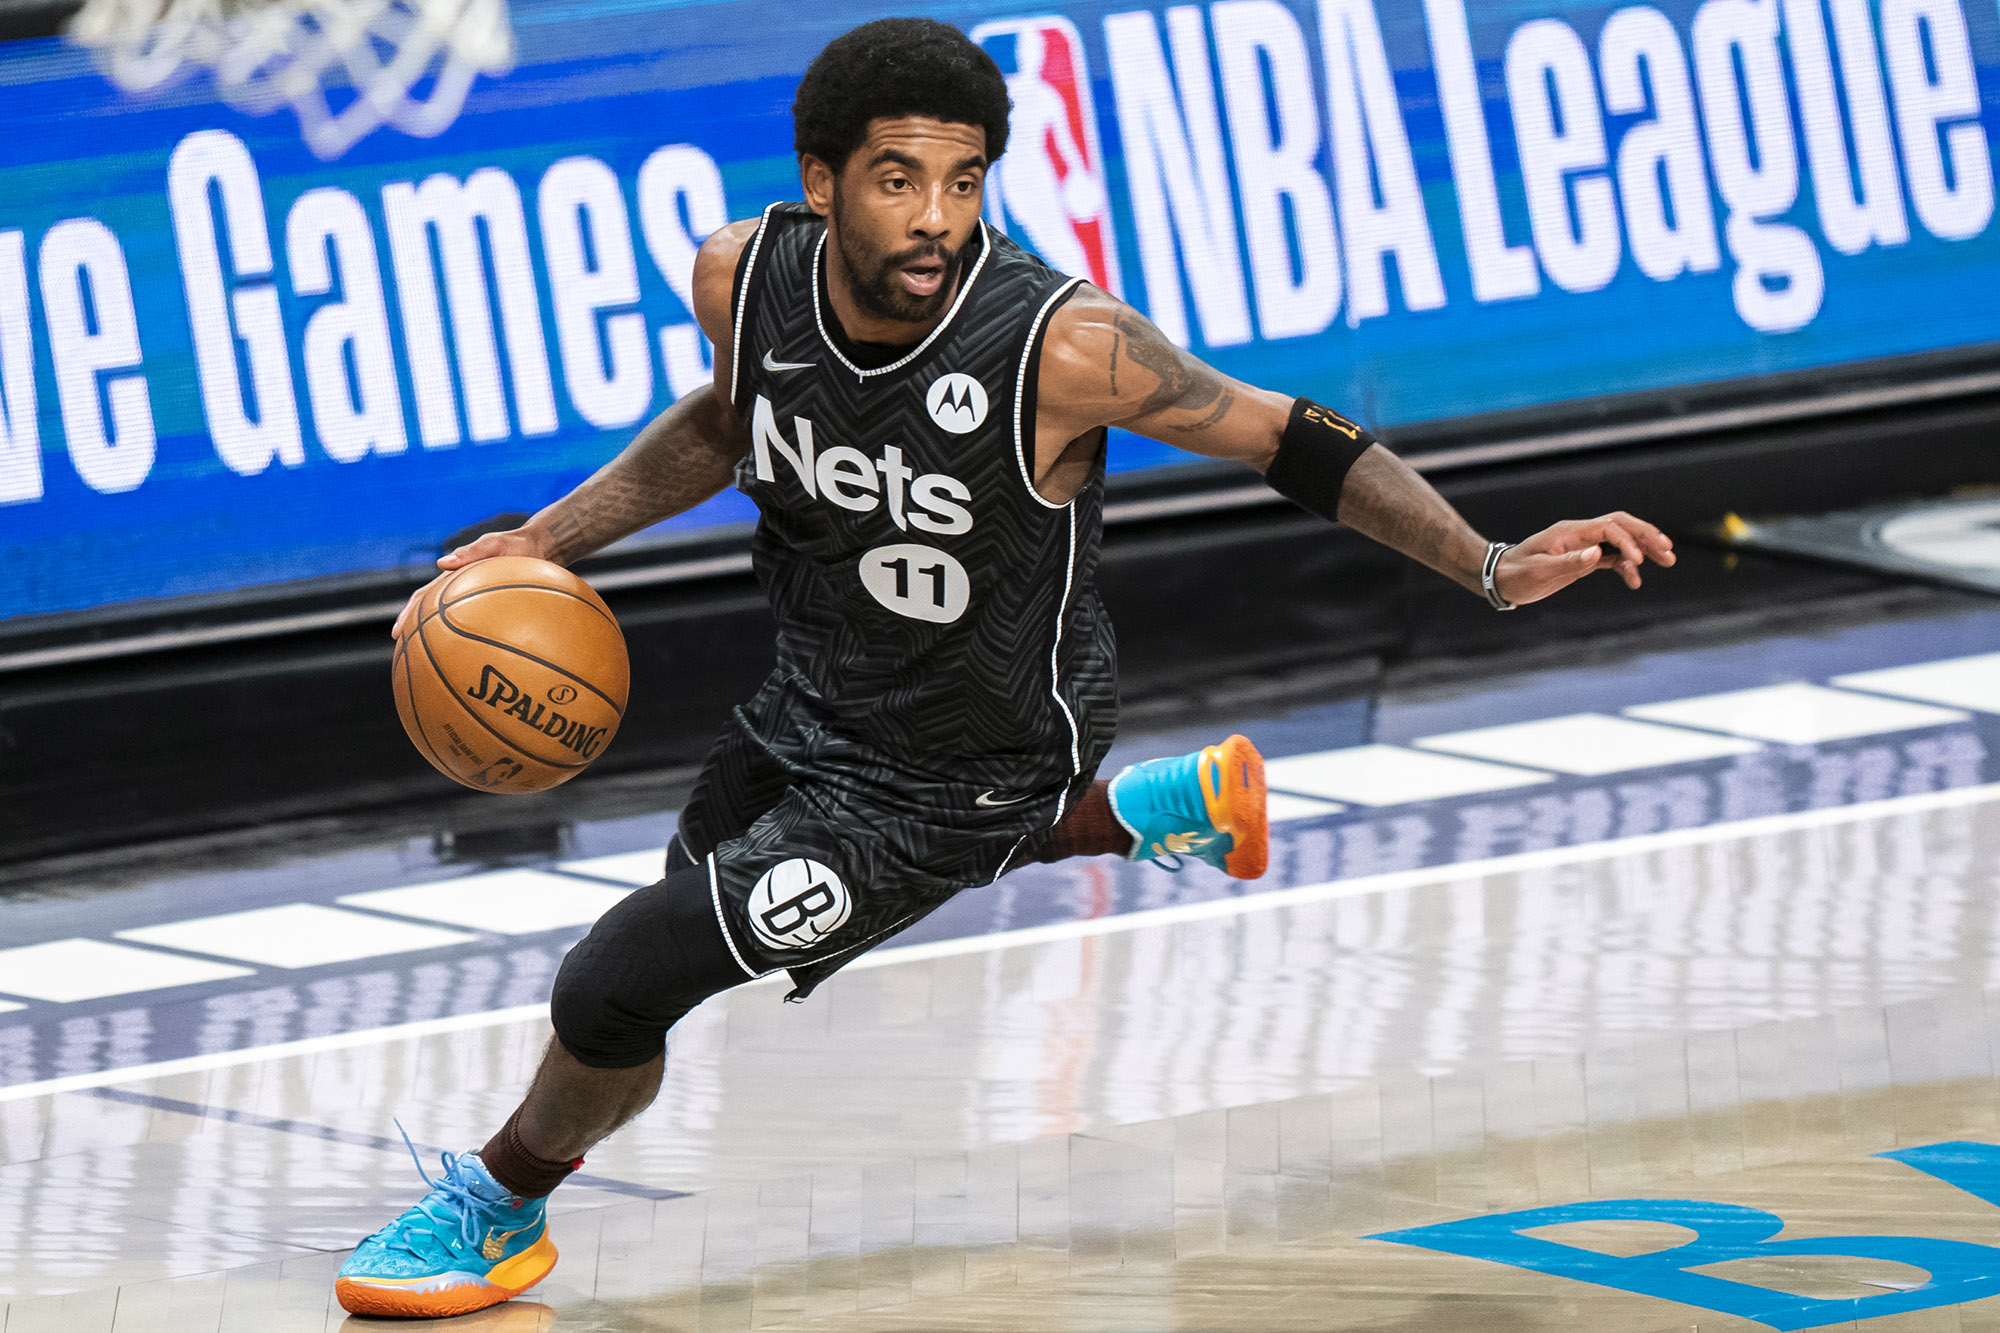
512,677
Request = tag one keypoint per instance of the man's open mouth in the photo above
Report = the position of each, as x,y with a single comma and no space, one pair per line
922,277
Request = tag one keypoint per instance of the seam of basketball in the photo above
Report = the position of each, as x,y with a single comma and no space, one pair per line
416,714
443,588
453,692
438,610
538,587
522,652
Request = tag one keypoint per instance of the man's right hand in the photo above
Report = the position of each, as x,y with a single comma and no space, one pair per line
529,540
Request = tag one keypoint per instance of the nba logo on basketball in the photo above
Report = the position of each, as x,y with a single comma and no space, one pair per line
1049,191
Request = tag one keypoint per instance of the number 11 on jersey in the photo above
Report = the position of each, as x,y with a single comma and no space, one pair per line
920,582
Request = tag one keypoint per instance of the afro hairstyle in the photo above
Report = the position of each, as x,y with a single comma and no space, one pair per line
896,67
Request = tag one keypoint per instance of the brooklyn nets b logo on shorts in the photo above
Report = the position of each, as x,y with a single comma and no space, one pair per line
797,904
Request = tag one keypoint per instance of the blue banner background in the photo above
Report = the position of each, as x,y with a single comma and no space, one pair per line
617,81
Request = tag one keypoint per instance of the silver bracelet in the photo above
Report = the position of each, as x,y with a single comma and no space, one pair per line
1494,550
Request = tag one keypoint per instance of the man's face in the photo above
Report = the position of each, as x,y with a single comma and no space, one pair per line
901,211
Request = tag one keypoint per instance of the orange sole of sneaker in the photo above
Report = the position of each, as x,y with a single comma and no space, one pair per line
1243,800
515,1276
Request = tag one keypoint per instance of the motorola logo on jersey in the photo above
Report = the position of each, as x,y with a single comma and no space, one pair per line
957,403
845,477
798,903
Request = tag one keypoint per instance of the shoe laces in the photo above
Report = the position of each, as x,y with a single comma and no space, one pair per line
456,1193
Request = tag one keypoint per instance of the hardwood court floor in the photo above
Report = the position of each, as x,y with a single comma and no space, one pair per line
1191,1121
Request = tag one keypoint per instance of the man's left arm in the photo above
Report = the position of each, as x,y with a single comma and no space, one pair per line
1106,365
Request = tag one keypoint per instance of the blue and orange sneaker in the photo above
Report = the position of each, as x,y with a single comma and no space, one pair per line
469,1244
1209,804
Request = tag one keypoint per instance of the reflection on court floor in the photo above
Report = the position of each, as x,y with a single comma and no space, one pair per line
154,966
1199,1118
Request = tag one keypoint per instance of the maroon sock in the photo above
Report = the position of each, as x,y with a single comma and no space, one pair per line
1089,829
519,1171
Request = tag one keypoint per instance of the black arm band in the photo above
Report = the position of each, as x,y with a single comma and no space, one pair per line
1318,447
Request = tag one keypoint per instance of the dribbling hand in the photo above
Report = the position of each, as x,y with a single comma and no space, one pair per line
1558,556
515,541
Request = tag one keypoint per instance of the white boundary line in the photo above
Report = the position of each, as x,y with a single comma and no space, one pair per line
1391,881
1213,909
194,1064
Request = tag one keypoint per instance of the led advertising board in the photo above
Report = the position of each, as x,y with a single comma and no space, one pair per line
244,342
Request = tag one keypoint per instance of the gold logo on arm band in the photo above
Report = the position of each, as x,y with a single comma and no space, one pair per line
1327,417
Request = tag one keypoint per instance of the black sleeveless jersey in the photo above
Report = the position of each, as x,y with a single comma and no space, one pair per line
933,609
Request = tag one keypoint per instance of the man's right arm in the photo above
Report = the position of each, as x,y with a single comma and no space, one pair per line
677,460
680,458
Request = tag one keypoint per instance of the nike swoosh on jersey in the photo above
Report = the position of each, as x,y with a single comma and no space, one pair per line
769,364
985,798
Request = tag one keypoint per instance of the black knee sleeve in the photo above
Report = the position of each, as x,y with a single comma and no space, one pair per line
646,962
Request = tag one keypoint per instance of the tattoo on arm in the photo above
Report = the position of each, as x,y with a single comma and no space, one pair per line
1184,384
1223,403
627,496
1387,501
681,458
1419,534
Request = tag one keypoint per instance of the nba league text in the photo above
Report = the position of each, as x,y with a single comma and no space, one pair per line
1268,179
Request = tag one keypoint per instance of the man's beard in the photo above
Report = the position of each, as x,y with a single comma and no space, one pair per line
876,290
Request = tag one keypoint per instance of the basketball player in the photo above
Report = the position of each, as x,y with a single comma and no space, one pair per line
918,408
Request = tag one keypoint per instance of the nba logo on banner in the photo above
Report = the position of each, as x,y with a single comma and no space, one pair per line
1049,190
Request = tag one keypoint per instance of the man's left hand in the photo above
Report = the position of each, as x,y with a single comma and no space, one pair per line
1558,556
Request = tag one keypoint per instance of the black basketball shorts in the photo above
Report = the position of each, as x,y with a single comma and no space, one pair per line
817,848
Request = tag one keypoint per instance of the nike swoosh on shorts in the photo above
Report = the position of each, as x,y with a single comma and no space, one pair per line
985,798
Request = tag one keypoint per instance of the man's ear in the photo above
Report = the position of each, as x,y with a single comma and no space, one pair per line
816,177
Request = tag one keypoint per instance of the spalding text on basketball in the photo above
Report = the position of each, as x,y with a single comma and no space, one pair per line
846,477
497,692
